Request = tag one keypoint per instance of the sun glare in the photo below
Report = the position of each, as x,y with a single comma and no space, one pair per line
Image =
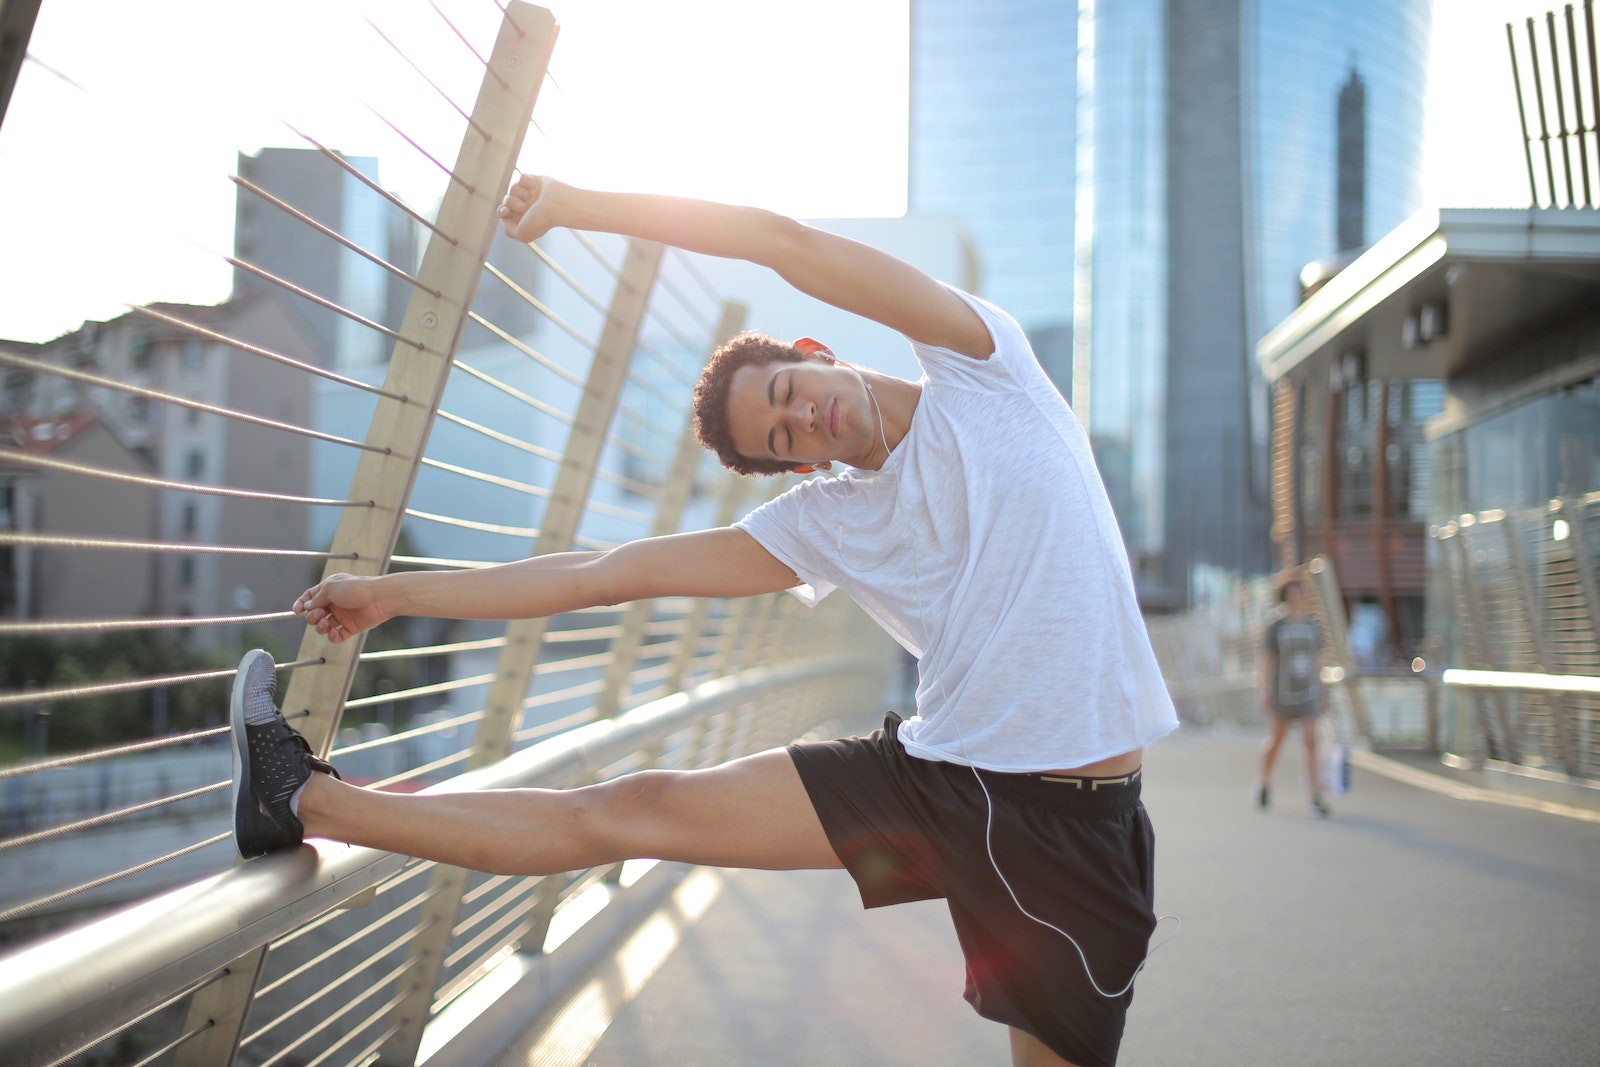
127,119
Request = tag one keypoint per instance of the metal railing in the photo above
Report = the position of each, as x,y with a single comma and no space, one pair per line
61,994
1524,630
530,401
1210,658
1557,83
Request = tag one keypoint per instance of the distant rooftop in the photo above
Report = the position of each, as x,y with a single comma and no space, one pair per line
1440,290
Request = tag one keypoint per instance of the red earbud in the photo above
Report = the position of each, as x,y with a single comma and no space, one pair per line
810,346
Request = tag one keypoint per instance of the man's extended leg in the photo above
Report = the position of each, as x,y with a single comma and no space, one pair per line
752,812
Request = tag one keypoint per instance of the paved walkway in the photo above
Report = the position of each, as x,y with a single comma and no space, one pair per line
1411,928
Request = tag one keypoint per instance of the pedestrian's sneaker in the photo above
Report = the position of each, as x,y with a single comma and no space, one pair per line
270,761
1261,797
1319,808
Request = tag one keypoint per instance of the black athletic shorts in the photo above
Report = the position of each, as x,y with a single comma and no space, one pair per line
1078,852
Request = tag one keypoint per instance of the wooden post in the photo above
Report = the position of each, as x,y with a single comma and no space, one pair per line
1325,580
669,515
731,497
525,637
435,318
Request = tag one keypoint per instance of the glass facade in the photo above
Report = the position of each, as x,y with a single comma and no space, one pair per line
1061,134
1304,55
1403,407
1173,294
1522,458
992,134
363,285
1119,345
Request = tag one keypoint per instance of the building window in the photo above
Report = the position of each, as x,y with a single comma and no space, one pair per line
186,572
194,464
193,358
191,519
1361,401
18,392
1411,404
139,354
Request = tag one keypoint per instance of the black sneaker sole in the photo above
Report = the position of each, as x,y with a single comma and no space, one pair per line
244,838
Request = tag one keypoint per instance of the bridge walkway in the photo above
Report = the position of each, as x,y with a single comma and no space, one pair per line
1412,927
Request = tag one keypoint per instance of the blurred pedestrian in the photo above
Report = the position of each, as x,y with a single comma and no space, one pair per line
1289,683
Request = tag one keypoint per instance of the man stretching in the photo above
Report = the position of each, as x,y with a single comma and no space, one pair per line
967,518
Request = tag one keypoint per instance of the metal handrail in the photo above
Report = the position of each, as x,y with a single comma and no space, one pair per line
64,994
1542,683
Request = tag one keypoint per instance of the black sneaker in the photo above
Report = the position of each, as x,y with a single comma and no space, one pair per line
1261,797
1319,808
270,762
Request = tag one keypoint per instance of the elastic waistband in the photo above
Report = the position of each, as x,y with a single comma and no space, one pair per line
1089,796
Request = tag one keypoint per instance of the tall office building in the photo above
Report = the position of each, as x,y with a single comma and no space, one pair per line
267,238
992,120
1119,340
1222,146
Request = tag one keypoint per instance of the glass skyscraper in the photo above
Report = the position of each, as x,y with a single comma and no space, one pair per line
992,119
1119,342
1307,55
1172,165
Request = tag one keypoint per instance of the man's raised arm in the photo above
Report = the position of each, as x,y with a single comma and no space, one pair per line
836,270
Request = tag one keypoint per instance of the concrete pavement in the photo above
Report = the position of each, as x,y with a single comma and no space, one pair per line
1411,928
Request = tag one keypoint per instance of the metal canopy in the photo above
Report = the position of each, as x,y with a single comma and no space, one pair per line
1442,290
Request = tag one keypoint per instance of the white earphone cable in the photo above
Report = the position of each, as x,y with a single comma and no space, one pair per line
988,833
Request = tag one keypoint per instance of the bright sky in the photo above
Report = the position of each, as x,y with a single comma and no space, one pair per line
125,122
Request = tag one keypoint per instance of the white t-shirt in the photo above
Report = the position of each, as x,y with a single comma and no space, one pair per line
987,547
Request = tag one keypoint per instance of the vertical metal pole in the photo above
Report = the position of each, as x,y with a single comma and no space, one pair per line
1594,79
435,318
1522,115
1330,468
1531,602
1544,125
1583,562
1483,651
1286,472
1584,559
1580,132
669,515
525,637
1381,505
1561,102
1456,578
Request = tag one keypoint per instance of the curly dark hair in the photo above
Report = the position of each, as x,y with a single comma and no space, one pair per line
711,398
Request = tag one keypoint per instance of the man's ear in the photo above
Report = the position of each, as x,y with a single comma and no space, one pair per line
810,346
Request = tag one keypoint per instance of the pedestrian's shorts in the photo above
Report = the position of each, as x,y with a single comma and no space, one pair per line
1077,852
1297,712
